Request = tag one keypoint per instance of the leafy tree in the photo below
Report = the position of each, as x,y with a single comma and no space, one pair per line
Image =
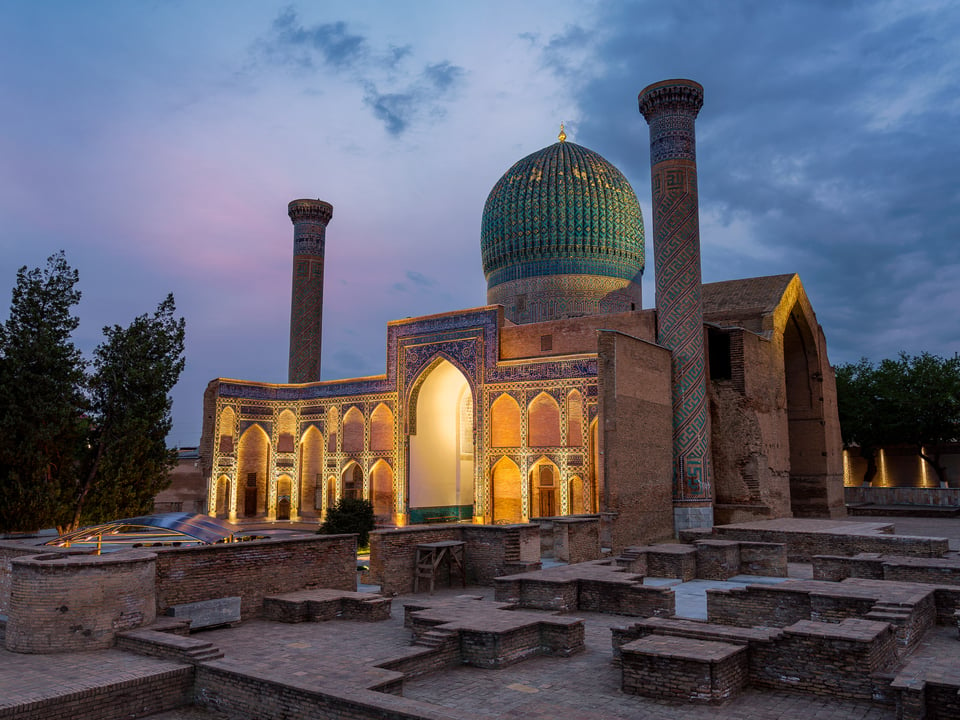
134,371
350,515
82,443
910,399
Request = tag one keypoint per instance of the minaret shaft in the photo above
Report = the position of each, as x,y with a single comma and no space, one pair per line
671,108
310,218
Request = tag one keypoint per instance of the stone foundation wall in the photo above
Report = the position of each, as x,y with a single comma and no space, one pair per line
742,607
62,602
253,570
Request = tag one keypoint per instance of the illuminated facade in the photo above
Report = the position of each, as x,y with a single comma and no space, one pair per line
559,396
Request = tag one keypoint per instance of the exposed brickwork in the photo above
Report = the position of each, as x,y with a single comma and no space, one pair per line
490,551
253,570
10,550
678,668
65,603
806,538
323,604
831,659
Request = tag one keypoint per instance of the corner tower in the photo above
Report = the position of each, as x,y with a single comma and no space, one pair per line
670,108
310,218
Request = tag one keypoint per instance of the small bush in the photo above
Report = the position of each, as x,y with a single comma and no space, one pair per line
350,515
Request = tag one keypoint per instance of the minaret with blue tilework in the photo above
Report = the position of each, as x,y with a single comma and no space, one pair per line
670,108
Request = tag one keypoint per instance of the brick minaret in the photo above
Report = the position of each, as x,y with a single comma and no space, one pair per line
670,108
310,218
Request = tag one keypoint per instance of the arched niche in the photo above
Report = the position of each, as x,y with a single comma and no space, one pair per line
227,431
381,429
352,479
353,427
311,471
381,490
507,492
544,489
505,422
543,422
253,463
574,419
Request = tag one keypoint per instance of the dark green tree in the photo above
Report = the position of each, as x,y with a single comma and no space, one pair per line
911,400
925,390
134,371
41,399
79,447
350,515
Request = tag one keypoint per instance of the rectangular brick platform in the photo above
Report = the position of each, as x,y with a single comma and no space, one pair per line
325,604
679,668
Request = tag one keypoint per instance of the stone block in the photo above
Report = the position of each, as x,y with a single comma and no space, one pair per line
208,613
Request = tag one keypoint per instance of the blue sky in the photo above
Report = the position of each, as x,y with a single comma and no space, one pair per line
158,144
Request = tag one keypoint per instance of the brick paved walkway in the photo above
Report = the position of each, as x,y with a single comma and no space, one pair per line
29,678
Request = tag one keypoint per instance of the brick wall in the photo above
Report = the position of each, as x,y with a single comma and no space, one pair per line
802,546
10,550
254,569
490,551
828,659
635,438
62,602
117,701
742,606
769,559
576,540
239,695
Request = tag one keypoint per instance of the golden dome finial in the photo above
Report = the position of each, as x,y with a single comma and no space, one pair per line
562,137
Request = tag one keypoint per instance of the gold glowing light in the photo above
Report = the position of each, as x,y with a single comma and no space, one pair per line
562,137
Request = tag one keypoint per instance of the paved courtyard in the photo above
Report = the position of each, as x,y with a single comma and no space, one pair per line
586,685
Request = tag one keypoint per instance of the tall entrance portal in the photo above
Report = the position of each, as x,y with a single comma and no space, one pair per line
441,458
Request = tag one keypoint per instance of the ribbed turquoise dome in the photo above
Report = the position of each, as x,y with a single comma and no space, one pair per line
561,210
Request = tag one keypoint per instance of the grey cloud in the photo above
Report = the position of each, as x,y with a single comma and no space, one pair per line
420,279
395,97
827,130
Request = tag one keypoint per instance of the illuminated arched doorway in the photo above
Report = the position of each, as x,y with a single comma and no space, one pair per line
441,445
352,481
221,507
507,502
284,487
544,489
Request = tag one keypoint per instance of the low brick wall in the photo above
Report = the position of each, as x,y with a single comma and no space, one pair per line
763,558
803,546
253,570
490,551
570,539
677,668
743,606
139,697
63,602
10,550
936,497
932,571
825,658
266,698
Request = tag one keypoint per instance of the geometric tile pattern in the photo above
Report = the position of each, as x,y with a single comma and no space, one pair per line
671,109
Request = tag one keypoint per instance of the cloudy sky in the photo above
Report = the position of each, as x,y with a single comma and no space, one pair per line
158,143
